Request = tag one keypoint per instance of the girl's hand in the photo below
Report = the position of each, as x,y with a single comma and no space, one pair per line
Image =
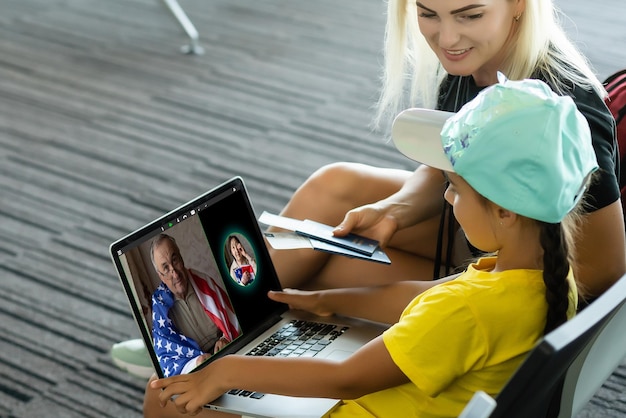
371,221
310,301
193,390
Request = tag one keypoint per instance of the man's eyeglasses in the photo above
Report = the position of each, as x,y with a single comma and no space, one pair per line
174,264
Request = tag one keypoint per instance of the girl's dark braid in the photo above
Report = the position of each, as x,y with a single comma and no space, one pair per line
555,270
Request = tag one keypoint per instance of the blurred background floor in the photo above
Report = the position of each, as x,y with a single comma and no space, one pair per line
104,125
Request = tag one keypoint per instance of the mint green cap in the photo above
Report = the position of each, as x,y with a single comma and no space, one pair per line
517,143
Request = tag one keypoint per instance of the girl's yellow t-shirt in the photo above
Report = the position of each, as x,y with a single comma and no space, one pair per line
459,337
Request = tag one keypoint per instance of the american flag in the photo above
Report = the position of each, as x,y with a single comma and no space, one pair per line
173,349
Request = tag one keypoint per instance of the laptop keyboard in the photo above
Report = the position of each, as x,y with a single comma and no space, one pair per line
298,339
294,339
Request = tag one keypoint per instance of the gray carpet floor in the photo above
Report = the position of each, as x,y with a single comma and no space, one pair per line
105,125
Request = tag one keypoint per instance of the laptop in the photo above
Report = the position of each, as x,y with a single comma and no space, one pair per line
255,325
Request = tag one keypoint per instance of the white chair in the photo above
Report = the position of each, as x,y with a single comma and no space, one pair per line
594,365
480,406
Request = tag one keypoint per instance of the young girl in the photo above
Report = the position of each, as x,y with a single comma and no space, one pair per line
517,159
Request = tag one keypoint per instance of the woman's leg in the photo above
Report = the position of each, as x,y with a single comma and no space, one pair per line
152,408
325,197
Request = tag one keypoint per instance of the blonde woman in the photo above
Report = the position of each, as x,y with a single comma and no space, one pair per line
440,54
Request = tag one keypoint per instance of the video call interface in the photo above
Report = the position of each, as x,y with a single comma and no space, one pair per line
231,216
218,250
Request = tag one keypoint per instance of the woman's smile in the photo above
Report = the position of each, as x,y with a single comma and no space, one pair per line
456,54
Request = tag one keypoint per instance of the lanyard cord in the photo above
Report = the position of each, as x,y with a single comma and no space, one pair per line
447,210
442,222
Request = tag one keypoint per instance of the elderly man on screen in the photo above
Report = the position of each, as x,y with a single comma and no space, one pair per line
192,317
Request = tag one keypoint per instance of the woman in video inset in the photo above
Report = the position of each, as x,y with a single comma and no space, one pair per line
243,266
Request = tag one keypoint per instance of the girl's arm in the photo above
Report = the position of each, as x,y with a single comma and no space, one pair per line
368,370
381,303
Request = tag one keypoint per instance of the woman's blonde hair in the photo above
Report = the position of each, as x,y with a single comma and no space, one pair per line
413,73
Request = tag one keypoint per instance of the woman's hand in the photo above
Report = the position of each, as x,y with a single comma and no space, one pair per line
372,221
246,278
310,301
221,343
419,199
202,358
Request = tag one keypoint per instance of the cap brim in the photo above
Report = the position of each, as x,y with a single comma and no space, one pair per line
417,134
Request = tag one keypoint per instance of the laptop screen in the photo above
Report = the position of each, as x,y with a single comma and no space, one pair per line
207,259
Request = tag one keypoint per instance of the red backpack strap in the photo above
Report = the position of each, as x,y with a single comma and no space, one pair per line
616,101
615,85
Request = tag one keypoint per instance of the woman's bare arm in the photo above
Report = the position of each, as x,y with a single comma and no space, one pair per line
601,249
420,198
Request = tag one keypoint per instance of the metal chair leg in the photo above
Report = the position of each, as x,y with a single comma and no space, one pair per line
181,17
